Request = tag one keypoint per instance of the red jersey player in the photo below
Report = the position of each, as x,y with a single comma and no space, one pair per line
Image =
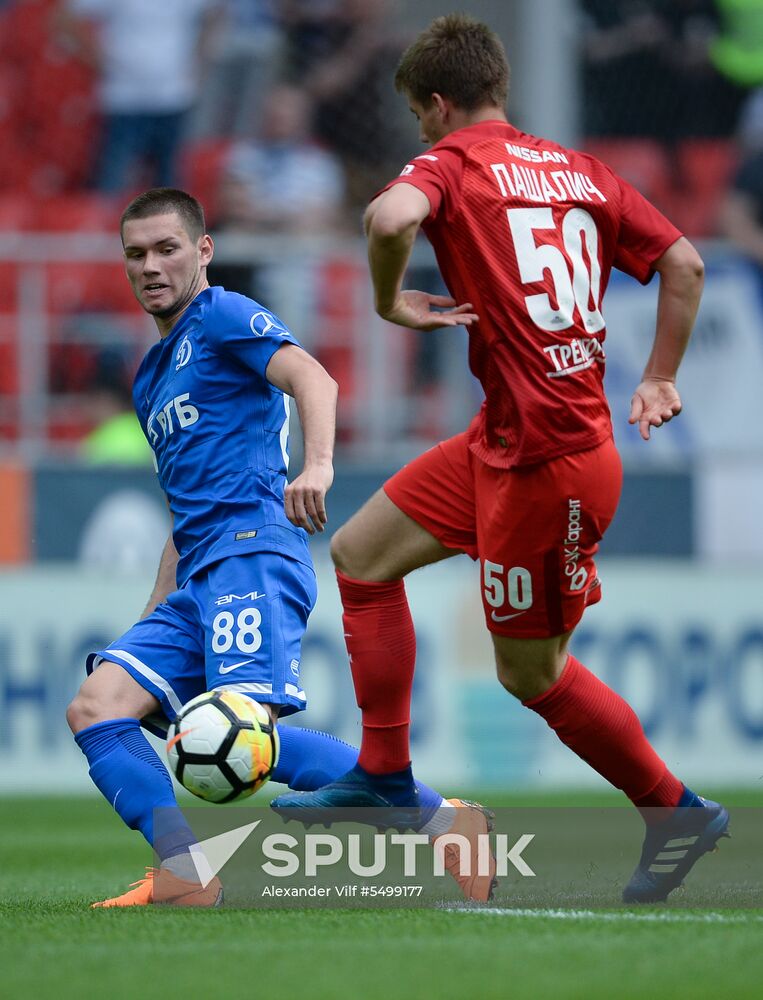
526,234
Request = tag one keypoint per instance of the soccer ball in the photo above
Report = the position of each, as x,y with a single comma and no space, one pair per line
222,746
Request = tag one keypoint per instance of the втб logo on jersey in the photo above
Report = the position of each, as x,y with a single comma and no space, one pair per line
176,414
574,356
184,353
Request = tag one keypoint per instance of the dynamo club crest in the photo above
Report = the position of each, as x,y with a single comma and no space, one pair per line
184,353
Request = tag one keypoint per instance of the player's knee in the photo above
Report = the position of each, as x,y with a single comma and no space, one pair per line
526,680
82,711
343,556
513,680
93,703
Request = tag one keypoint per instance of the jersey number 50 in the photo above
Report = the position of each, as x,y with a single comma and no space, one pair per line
577,280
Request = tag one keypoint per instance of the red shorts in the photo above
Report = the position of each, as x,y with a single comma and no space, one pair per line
534,529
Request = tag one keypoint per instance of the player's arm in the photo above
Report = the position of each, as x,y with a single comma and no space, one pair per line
656,398
391,222
295,372
166,577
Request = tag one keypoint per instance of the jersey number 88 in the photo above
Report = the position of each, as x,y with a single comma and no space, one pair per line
247,638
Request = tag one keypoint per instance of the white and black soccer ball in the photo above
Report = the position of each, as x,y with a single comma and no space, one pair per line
222,746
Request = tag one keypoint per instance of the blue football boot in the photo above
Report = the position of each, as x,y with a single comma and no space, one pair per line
384,801
673,847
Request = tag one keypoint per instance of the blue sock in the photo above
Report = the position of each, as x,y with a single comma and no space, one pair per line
127,771
310,759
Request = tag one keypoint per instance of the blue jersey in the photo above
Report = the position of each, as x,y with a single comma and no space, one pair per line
219,431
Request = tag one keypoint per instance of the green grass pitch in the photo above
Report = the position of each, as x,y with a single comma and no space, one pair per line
58,854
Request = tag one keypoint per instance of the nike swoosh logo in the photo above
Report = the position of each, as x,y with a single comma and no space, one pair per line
241,663
505,618
175,739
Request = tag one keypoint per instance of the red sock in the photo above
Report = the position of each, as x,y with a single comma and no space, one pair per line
382,646
602,729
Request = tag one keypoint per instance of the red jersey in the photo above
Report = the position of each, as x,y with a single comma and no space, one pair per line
528,232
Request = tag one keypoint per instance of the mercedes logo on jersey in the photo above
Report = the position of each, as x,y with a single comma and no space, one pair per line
184,353
263,322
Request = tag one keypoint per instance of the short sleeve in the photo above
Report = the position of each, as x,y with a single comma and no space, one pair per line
645,234
242,329
436,174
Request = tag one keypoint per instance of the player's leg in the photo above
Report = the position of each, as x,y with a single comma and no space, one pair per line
424,514
254,609
105,719
588,716
535,589
145,673
373,552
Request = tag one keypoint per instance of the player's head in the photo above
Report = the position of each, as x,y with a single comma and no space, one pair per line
456,61
166,249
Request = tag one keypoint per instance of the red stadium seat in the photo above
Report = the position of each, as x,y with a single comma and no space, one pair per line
9,383
16,212
89,287
644,163
9,285
705,168
81,213
201,170
24,29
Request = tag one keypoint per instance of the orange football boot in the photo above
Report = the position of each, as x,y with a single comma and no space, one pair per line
161,888
471,820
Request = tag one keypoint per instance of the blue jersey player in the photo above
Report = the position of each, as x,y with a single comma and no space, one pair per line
235,584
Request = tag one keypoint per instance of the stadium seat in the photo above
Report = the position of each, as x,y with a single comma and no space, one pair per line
201,169
89,287
9,384
9,418
68,420
81,213
644,163
9,285
705,168
10,82
16,212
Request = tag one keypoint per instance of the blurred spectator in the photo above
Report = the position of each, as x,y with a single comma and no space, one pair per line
742,210
117,438
47,113
282,181
344,54
648,70
150,57
737,51
703,102
624,91
245,62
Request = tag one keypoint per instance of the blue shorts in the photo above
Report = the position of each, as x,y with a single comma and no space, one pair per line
236,624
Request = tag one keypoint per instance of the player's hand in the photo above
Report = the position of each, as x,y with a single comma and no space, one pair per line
305,498
418,310
654,402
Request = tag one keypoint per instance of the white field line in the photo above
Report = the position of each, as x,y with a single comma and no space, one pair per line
671,917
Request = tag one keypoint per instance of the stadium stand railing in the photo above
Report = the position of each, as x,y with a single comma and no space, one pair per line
64,300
